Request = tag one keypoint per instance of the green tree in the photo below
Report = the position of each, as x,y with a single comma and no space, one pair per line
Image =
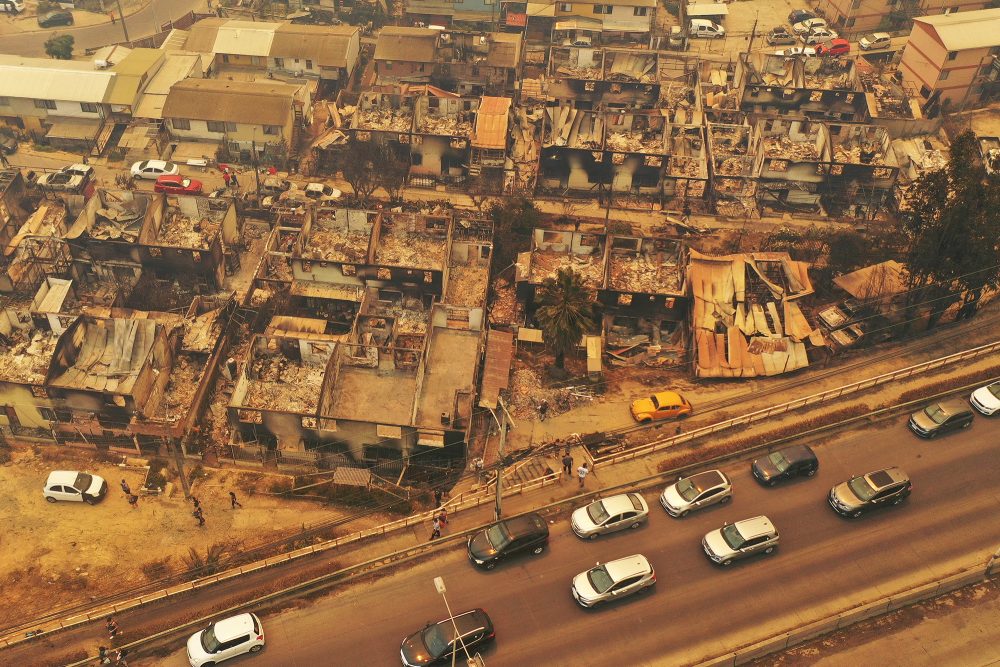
59,47
513,222
565,312
953,227
359,163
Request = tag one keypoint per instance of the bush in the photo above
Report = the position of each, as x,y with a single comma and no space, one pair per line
947,383
156,478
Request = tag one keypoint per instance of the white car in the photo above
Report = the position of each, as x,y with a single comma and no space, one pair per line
797,51
75,486
986,400
819,35
322,192
877,40
225,639
804,27
626,510
153,169
697,491
740,540
613,580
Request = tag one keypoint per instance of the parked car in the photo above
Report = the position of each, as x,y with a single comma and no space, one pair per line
153,169
695,492
784,464
986,400
53,19
841,314
875,40
70,178
613,580
322,192
626,510
799,15
225,639
661,405
797,51
806,26
740,540
941,417
780,35
8,145
818,36
436,643
13,7
177,184
889,486
703,28
835,47
528,533
74,485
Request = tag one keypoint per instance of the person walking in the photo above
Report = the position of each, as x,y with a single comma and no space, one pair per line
120,658
113,628
582,472
567,462
198,514
543,409
233,502
686,212
443,518
133,500
102,655
196,502
126,489
226,177
232,181
435,529
437,497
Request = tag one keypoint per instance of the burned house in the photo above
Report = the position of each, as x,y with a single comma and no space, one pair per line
792,162
732,160
862,172
605,78
384,118
797,86
720,93
488,154
36,249
584,252
442,130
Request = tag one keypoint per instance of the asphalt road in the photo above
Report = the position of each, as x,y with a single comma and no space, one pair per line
697,610
144,22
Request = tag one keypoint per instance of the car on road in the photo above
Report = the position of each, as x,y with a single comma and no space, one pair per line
875,40
661,405
53,19
794,461
799,15
177,184
780,36
613,580
986,400
941,417
889,486
527,533
70,178
321,192
695,492
797,51
437,642
835,47
806,26
818,36
225,639
607,515
74,485
153,169
742,539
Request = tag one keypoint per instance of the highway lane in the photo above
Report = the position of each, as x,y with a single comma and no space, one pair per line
697,609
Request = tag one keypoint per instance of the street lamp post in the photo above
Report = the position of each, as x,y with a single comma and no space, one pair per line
439,585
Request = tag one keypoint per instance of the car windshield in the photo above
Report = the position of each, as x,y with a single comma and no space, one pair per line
861,488
143,164
687,489
209,641
656,403
779,461
732,536
597,513
600,580
498,535
936,414
994,389
83,481
870,38
437,639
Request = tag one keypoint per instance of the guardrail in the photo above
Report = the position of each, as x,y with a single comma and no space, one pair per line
814,399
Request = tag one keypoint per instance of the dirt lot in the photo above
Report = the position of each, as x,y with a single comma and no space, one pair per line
59,554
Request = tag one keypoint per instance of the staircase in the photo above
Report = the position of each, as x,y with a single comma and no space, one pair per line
475,162
533,469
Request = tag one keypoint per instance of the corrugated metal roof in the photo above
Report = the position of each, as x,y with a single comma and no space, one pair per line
491,123
496,370
45,79
244,38
327,45
960,31
201,37
247,102
418,45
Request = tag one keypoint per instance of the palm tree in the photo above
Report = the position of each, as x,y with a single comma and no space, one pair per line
565,312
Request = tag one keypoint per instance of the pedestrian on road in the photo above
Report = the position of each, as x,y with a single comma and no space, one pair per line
233,181
435,529
126,489
582,472
543,409
443,518
233,502
112,15
678,431
102,655
133,500
567,462
198,514
120,658
686,212
113,628
226,177
196,502
437,497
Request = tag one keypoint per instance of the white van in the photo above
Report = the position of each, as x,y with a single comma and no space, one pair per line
11,6
703,28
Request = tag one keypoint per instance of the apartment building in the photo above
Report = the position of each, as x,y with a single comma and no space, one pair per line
854,17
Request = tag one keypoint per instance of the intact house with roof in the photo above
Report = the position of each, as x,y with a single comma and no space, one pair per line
240,115
390,370
327,53
624,21
954,59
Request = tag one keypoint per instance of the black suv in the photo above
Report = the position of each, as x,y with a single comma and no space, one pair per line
437,642
889,486
508,537
52,19
785,464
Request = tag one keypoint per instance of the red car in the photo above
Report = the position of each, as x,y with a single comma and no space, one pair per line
835,47
177,185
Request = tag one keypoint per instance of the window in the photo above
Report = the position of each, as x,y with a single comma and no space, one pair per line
952,55
225,58
602,9
639,11
45,104
944,75
925,91
271,129
180,123
88,107
279,63
230,127
216,126
565,6
47,414
309,64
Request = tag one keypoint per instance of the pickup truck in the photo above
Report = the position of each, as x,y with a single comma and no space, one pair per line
839,315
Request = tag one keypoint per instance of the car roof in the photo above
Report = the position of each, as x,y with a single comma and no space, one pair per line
169,177
62,477
620,503
529,524
839,40
627,567
708,479
954,406
881,35
668,397
470,621
759,525
233,627
797,453
883,478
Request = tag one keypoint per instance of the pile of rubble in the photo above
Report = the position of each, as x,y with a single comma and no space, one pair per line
524,150
574,128
410,249
337,244
647,272
179,394
281,384
650,142
26,361
576,72
783,147
466,285
386,120
459,125
631,67
546,264
181,231
504,309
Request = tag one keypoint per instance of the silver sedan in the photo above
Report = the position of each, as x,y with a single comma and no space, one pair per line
626,510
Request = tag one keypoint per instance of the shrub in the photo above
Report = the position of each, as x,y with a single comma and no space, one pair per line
945,384
156,477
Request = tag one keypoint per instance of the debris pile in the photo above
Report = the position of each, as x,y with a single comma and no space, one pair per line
631,67
278,383
648,141
504,309
181,231
386,120
524,150
574,128
26,360
399,246
782,146
651,271
546,264
119,219
184,378
456,125
466,285
336,244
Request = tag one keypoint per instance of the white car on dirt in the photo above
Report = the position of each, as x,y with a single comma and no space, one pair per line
74,486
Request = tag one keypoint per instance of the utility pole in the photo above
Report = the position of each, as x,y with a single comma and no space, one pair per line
121,15
256,169
753,32
179,460
504,422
